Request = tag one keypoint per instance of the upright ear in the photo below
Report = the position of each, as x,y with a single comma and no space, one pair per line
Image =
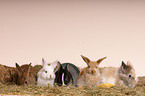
43,62
29,69
30,64
129,63
100,60
57,67
87,60
18,69
123,65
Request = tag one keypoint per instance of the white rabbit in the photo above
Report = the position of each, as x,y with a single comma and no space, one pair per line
46,75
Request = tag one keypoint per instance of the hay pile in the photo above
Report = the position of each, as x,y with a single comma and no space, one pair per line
8,74
12,89
70,91
141,81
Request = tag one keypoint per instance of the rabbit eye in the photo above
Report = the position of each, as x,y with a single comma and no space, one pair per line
129,75
26,82
96,67
45,71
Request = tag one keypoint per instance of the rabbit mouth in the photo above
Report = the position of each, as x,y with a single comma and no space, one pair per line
92,72
131,86
49,78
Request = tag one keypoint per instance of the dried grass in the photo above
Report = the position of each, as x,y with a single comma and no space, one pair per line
7,88
12,89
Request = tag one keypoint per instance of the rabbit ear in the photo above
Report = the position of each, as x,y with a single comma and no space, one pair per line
100,60
57,67
129,63
29,69
18,69
43,62
87,60
123,66
30,64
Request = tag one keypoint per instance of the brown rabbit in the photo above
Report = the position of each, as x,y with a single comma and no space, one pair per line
123,76
7,74
89,76
26,74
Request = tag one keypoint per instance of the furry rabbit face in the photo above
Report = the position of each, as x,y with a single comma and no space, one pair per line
92,68
46,75
127,74
24,75
48,70
92,65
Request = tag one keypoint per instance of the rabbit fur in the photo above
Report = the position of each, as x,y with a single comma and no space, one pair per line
26,74
123,76
46,75
90,75
66,75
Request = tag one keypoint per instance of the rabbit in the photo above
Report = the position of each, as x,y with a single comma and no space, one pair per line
123,76
26,74
46,75
90,75
58,76
7,74
71,73
67,75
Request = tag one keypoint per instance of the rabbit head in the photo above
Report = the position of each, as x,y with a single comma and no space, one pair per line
127,74
48,70
92,67
25,74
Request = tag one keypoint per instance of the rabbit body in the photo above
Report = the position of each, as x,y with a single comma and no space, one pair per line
90,76
67,74
71,73
123,76
86,79
46,75
26,74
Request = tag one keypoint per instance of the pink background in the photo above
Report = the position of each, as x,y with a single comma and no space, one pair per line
65,29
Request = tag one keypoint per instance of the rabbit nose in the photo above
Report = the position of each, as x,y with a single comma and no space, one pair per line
25,82
50,76
93,71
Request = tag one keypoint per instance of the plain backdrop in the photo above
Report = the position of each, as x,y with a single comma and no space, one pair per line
65,29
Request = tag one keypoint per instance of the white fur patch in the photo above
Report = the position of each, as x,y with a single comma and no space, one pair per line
110,80
43,82
63,79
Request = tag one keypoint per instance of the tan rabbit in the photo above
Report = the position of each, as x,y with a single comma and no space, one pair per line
26,74
123,76
89,76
